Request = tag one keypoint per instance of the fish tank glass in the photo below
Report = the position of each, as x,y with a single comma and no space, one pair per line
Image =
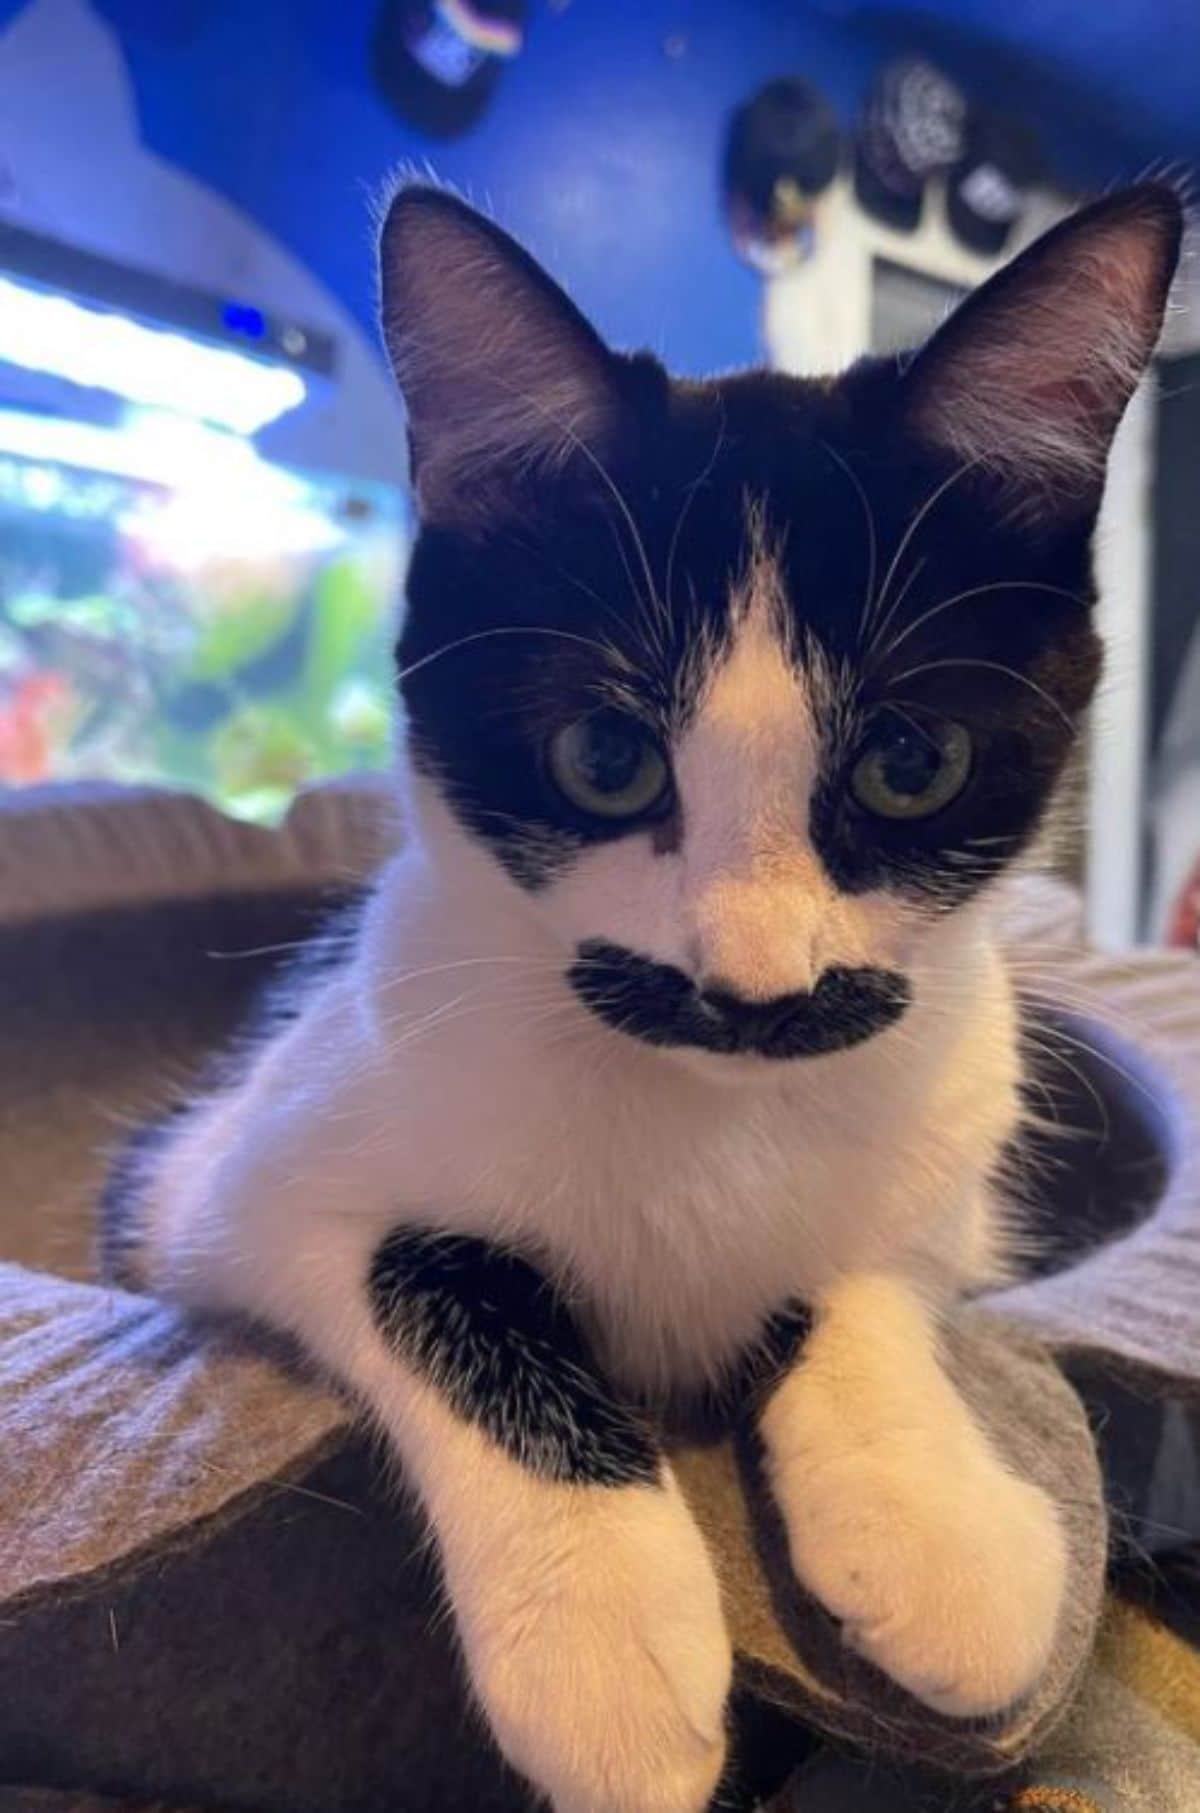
175,609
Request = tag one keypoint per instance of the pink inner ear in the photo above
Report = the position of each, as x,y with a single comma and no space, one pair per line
1037,379
497,370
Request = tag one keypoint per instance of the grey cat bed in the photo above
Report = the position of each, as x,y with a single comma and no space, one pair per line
208,1593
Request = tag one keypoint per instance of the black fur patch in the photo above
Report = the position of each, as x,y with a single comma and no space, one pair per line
490,1332
660,1005
763,1365
518,628
913,581
734,1400
120,1235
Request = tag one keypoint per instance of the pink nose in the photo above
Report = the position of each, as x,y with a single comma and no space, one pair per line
755,941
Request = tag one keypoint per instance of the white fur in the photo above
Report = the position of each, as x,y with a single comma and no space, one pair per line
447,1073
945,1568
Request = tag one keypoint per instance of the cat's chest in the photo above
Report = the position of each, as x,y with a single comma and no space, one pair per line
685,1233
682,1217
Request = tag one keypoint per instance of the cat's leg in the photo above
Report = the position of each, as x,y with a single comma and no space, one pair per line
585,1600
946,1569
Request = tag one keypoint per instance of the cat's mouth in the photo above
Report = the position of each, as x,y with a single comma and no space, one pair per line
660,1005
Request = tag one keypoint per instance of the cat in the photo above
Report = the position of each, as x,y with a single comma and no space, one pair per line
726,707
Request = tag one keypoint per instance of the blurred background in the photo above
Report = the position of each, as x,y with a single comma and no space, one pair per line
203,522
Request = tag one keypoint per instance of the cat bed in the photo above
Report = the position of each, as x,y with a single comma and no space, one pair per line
211,1595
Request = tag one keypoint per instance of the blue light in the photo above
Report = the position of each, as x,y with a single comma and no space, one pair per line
100,350
240,318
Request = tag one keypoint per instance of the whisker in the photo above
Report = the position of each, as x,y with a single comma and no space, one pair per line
540,553
574,439
685,509
438,969
998,667
889,616
921,515
975,591
872,535
513,629
618,498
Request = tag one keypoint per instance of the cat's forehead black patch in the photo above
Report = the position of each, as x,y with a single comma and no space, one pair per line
618,585
586,522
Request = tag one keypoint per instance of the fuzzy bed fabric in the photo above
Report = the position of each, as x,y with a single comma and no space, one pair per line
1128,1745
207,1591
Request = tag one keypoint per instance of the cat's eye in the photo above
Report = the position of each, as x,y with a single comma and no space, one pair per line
609,765
910,769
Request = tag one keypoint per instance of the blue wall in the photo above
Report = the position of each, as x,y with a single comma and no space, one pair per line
601,149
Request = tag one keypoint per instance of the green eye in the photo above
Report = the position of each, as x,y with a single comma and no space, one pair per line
909,769
609,765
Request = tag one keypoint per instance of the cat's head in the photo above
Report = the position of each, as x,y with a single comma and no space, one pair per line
751,685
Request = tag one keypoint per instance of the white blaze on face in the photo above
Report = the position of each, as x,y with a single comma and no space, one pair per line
744,903
754,893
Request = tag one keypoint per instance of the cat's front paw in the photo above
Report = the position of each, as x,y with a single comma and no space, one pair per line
605,1677
945,1569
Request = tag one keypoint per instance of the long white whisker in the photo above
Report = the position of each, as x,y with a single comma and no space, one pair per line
438,969
975,591
872,535
889,616
574,439
513,629
928,667
685,508
907,538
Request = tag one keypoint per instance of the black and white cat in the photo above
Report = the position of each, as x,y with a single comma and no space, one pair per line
726,705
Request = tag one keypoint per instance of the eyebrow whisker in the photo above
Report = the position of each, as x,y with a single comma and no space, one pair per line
999,667
907,538
975,591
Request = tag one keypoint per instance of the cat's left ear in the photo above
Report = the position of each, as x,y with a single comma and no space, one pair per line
1029,378
503,378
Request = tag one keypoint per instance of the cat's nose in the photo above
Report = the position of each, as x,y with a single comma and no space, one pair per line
758,940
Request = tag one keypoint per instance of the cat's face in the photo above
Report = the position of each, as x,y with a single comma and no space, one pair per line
751,685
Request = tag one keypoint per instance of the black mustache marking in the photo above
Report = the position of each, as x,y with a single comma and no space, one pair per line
658,1004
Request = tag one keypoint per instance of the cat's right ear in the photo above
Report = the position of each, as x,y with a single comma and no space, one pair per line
1030,376
502,377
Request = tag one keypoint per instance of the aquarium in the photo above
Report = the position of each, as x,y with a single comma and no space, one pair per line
176,609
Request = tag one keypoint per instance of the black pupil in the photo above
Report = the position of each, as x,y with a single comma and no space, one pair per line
611,755
910,761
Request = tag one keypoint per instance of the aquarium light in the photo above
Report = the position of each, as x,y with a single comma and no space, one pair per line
216,497
129,453
102,350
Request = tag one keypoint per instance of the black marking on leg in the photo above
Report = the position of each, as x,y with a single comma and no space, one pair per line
120,1230
493,1335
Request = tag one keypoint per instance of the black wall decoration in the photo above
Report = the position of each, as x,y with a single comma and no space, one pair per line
986,191
436,62
784,146
782,149
913,127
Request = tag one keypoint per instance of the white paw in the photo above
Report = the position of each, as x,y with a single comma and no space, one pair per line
946,1570
605,1678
